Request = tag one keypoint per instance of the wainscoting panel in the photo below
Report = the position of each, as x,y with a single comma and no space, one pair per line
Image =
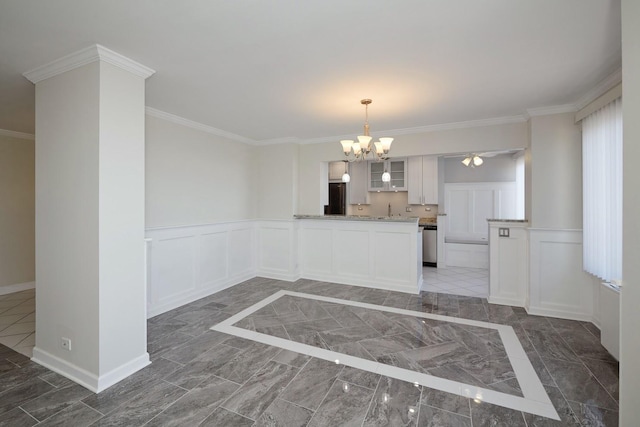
509,263
348,258
558,285
190,262
278,249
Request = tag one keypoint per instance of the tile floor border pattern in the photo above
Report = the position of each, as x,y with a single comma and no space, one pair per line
535,400
17,321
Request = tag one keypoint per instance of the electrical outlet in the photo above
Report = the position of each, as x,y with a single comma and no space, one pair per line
503,232
408,209
65,343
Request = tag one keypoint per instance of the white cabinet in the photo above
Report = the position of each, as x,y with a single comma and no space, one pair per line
422,180
358,186
397,168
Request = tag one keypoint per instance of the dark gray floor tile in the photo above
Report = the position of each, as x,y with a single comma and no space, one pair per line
489,370
345,405
291,358
353,349
76,415
276,331
607,374
158,330
284,319
397,300
201,368
24,392
55,379
359,377
204,325
430,357
344,315
392,344
221,417
567,416
447,401
246,362
54,401
196,405
511,386
485,414
578,384
433,417
110,399
143,407
6,366
312,383
538,323
13,378
593,416
584,344
195,347
474,312
261,390
285,305
300,328
311,309
17,418
345,335
453,372
284,414
378,321
395,403
550,345
374,296
166,343
540,368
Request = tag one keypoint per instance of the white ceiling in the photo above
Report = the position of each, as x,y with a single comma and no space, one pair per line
278,69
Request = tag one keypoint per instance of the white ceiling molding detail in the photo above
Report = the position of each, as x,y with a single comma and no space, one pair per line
430,128
598,90
554,109
198,126
84,57
19,135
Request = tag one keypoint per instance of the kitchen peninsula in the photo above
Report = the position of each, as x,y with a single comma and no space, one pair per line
374,252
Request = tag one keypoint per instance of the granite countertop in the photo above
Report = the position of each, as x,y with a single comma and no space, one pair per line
360,218
508,220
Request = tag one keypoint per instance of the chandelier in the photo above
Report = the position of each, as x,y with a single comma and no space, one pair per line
363,148
472,160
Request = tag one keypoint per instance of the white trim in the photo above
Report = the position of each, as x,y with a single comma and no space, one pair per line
535,400
429,128
83,57
197,126
18,287
603,100
85,378
554,109
605,85
19,135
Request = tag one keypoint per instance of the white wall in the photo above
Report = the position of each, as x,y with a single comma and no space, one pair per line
194,177
556,172
17,213
500,168
276,179
630,315
67,215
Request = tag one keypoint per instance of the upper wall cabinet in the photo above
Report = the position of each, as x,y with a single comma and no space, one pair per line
358,186
397,168
423,180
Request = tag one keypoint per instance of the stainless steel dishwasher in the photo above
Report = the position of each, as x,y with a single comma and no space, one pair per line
430,245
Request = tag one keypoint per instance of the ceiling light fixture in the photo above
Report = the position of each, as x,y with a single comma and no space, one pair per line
472,160
360,150
346,177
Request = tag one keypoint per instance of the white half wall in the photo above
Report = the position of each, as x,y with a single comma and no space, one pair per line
277,249
558,285
509,264
188,263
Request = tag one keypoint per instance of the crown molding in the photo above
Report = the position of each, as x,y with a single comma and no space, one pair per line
198,126
19,135
276,141
83,57
605,85
430,128
554,109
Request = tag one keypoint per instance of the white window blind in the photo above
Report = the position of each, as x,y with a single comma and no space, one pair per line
602,191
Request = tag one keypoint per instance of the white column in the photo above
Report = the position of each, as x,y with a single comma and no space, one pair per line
90,264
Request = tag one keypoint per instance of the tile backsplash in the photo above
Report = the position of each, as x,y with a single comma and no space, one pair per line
380,206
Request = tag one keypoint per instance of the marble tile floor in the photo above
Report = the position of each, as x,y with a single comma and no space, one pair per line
201,377
18,321
471,282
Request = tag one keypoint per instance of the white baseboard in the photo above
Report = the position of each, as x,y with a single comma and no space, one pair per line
560,314
85,378
18,287
278,275
506,301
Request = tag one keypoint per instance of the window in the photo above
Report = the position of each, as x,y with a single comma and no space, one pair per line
602,191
